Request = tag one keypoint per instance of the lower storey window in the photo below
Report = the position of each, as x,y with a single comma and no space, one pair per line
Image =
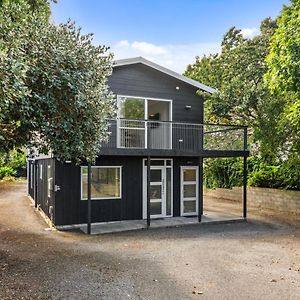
106,182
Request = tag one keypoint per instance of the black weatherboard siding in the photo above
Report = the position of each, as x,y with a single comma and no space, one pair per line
141,80
40,185
70,209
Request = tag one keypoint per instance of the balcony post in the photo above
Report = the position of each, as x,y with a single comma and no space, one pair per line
201,137
35,180
148,175
245,139
245,188
200,190
89,196
245,174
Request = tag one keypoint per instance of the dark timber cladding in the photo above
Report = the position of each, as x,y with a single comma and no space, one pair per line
143,81
70,209
41,184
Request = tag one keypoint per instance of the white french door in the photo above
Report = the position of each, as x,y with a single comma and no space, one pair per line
189,190
161,198
157,192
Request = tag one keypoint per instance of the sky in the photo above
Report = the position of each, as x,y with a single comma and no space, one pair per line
169,32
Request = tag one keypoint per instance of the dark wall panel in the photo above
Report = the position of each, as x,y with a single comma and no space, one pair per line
141,80
30,178
70,209
45,171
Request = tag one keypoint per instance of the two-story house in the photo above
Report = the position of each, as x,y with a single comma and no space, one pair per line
152,165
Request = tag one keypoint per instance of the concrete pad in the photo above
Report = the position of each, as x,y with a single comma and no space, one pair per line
128,225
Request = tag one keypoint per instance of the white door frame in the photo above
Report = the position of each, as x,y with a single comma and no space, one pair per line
164,168
182,182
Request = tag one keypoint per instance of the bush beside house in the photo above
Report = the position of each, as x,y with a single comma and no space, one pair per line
13,164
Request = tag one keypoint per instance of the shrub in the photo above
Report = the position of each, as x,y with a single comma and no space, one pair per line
16,160
266,176
7,172
223,172
290,173
228,172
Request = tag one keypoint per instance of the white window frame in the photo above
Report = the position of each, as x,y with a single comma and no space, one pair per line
102,198
145,114
182,182
41,172
49,181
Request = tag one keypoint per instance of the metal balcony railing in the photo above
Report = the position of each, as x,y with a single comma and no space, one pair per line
144,134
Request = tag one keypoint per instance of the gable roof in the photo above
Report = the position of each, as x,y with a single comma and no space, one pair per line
141,60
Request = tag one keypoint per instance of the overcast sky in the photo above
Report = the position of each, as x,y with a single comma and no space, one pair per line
168,32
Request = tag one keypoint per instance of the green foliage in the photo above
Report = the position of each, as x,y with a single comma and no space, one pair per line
285,175
223,172
290,173
258,85
284,72
228,172
284,57
242,97
54,93
15,159
7,172
266,176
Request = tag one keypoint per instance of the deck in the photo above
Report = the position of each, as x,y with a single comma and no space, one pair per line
121,226
169,139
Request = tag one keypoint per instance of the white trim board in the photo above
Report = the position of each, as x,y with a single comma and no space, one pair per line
141,60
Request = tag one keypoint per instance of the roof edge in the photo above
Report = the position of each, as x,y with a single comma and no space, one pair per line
141,60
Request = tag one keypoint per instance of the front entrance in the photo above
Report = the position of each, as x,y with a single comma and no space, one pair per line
161,187
189,190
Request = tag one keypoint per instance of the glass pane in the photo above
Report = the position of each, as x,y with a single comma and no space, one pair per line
105,183
132,108
189,190
189,206
168,192
155,175
155,192
189,175
155,208
169,162
156,162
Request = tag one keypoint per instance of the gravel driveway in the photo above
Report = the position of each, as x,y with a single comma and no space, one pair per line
255,260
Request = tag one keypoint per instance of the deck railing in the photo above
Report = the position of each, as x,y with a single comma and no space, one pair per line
144,134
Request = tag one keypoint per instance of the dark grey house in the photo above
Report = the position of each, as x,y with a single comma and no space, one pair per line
152,165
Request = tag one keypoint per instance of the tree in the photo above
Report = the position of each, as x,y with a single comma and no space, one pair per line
242,96
54,93
284,70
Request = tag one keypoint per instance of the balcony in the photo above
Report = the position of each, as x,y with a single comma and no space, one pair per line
140,136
